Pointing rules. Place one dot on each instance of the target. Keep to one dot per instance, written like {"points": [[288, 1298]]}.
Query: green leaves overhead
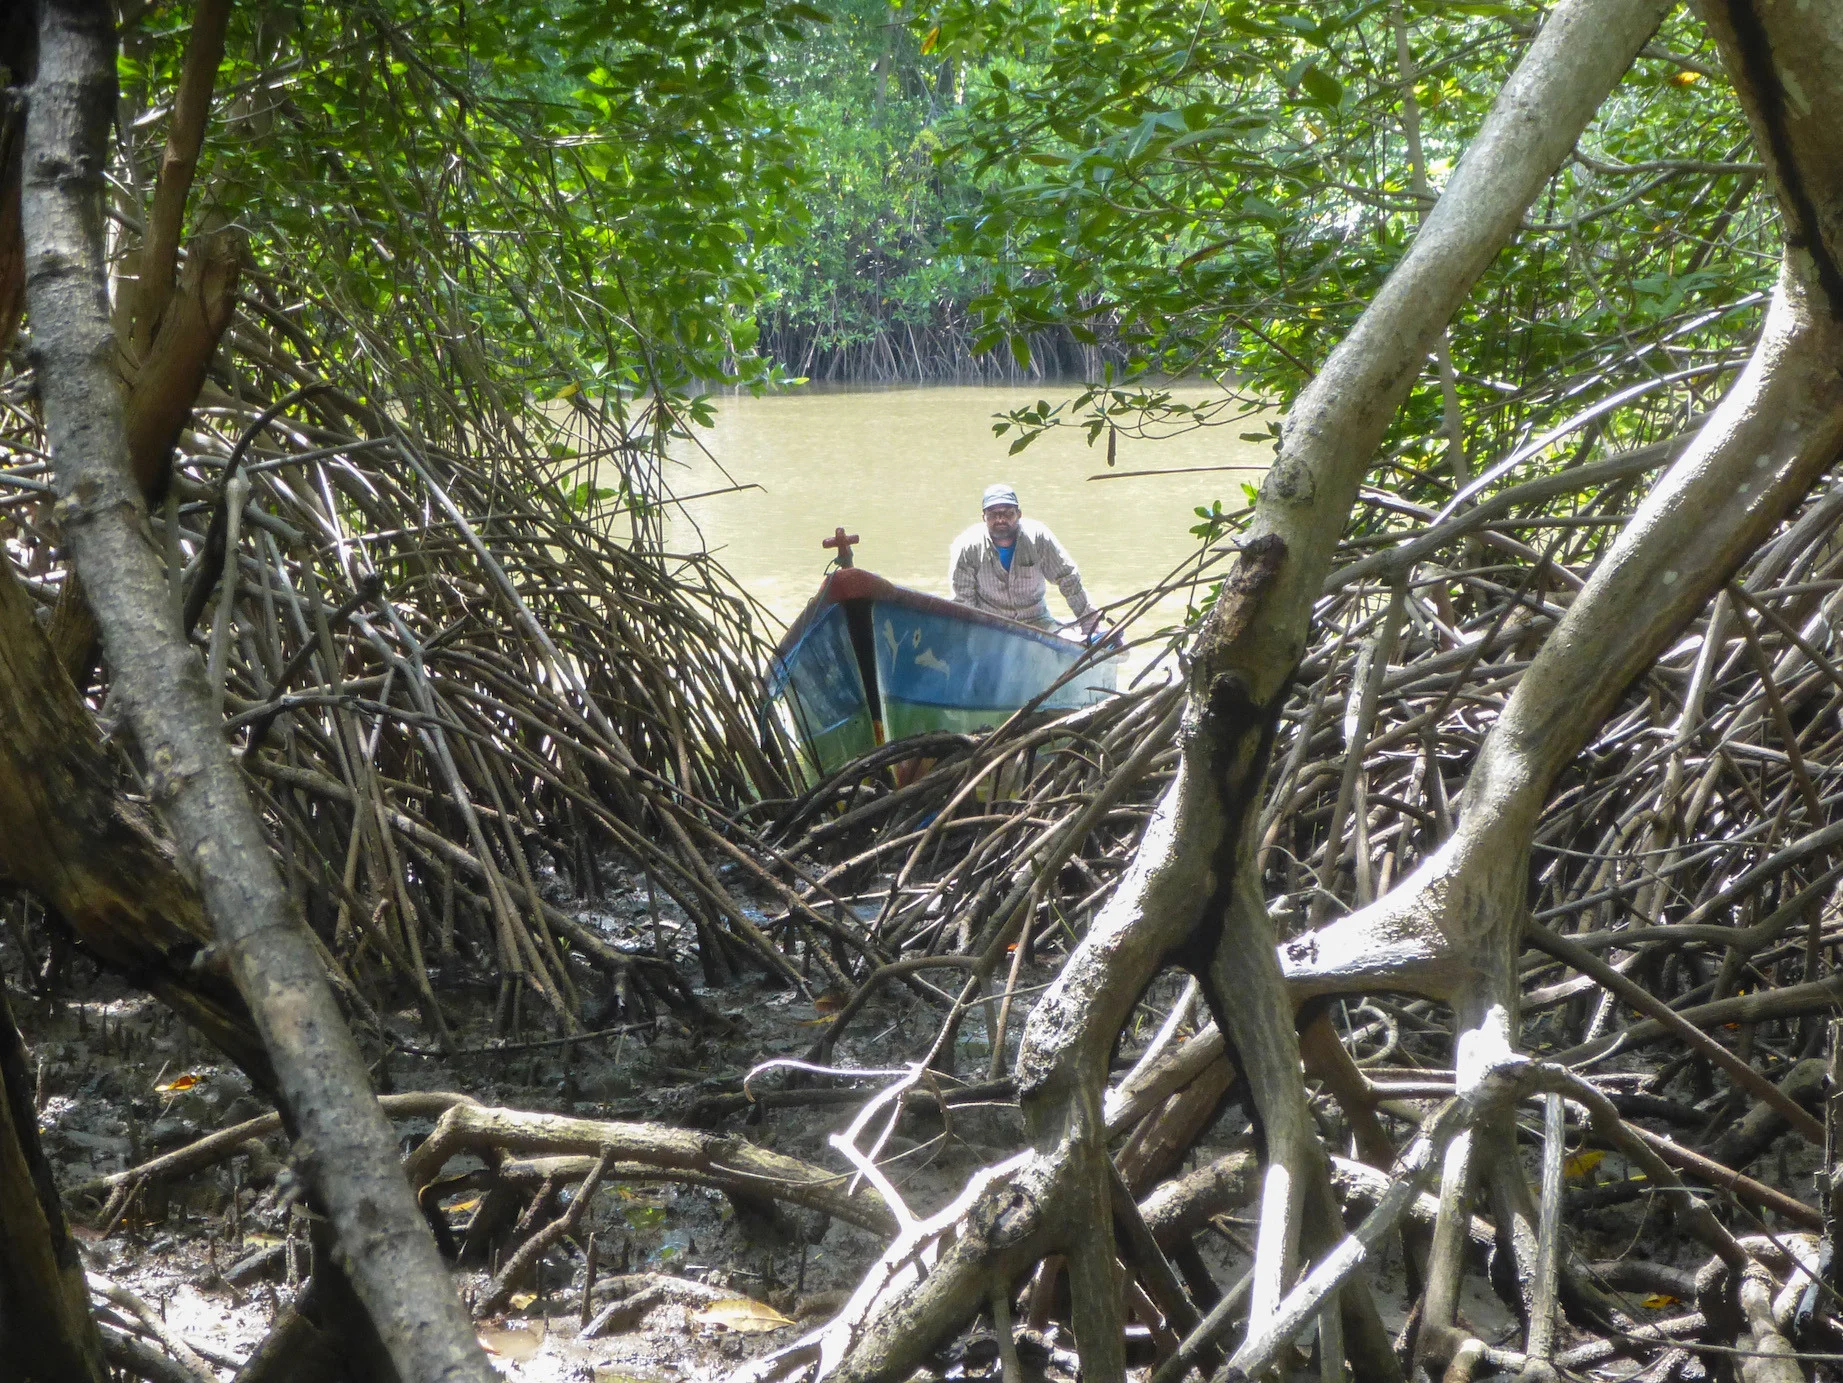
{"points": [[501, 201], [1219, 189], [512, 197], [871, 95]]}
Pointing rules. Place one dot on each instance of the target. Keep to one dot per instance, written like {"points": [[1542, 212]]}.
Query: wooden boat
{"points": [[869, 661]]}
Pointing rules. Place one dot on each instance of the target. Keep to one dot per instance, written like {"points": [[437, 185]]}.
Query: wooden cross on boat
{"points": [[842, 541]]}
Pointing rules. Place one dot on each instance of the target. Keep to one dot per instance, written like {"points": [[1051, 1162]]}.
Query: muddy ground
{"points": [[217, 1256], [120, 1080]]}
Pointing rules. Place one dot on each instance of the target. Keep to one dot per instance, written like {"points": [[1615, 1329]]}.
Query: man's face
{"points": [[1001, 522]]}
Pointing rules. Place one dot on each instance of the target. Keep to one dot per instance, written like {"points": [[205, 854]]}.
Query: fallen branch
{"points": [[646, 1150]]}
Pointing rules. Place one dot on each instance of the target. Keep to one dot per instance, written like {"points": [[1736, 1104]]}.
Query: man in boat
{"points": [[1004, 564]]}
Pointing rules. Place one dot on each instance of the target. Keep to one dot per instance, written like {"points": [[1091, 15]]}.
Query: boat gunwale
{"points": [[855, 583]]}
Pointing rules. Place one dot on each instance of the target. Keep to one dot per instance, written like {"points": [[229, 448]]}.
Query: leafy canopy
{"points": [[488, 203], [1219, 189]]}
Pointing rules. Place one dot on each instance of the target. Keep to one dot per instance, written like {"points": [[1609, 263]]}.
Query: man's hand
{"points": [[1090, 622]]}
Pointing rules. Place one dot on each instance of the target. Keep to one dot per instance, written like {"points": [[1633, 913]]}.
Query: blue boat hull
{"points": [[869, 661], [816, 694]]}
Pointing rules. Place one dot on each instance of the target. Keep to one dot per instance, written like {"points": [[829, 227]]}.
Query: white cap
{"points": [[1000, 493]]}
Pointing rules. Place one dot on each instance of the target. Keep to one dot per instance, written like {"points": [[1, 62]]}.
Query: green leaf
{"points": [[1322, 87], [587, 495]]}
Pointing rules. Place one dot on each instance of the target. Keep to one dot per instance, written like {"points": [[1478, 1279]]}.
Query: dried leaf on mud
{"points": [[742, 1314], [1580, 1166]]}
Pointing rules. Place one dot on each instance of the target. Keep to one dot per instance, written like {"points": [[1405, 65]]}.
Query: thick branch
{"points": [[346, 1145], [1331, 433], [184, 136], [1458, 916], [172, 370], [1196, 860], [709, 1158], [1786, 60], [106, 870], [41, 1277], [12, 249]]}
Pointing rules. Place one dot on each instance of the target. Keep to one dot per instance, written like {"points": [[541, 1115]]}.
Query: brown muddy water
{"points": [[904, 468]]}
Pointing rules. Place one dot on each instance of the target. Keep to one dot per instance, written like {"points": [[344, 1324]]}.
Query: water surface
{"points": [[904, 468]]}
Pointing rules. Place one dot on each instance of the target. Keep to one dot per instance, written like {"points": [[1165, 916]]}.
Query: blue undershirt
{"points": [[1004, 556]]}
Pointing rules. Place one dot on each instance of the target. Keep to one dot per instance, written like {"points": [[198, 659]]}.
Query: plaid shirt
{"points": [[980, 579]]}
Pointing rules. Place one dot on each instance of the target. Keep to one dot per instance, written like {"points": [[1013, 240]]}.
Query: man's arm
{"points": [[963, 572], [1057, 566]]}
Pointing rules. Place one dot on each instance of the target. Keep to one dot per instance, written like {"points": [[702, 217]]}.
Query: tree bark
{"points": [[346, 1147], [1201, 868], [1453, 922], [1196, 863], [165, 387], [103, 866], [1453, 925], [172, 321], [1452, 930], [1786, 61], [185, 136], [47, 1334], [172, 370], [16, 40]]}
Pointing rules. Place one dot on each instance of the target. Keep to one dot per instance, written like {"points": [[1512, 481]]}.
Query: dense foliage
{"points": [[629, 202], [492, 202], [869, 290], [1220, 190]]}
